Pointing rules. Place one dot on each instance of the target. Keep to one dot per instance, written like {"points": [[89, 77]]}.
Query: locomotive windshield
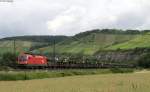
{"points": [[22, 58]]}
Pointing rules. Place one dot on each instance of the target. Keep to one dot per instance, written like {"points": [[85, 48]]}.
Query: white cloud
{"points": [[60, 21], [61, 17], [65, 20]]}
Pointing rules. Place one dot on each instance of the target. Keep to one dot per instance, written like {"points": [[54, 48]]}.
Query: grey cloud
{"points": [[29, 17], [130, 20]]}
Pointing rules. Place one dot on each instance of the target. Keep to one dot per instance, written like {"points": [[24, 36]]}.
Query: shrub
{"points": [[8, 59], [144, 61], [121, 70]]}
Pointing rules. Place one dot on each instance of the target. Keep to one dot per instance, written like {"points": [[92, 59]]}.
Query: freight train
{"points": [[26, 60]]}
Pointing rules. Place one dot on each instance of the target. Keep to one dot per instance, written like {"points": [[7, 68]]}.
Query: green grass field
{"points": [[29, 75], [133, 82]]}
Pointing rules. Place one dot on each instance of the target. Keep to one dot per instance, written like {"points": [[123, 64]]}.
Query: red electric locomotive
{"points": [[32, 60]]}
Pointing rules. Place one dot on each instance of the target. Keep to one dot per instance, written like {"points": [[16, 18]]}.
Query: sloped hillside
{"points": [[87, 42], [27, 43], [36, 38], [140, 41], [90, 42], [21, 46]]}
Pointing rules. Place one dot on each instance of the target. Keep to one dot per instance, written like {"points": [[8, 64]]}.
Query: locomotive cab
{"points": [[22, 59]]}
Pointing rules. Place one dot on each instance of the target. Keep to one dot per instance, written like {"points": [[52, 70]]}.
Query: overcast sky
{"points": [[68, 17]]}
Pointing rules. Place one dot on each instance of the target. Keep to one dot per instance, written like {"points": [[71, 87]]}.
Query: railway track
{"points": [[75, 66]]}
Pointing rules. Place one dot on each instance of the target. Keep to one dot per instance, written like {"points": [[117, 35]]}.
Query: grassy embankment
{"points": [[28, 75]]}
